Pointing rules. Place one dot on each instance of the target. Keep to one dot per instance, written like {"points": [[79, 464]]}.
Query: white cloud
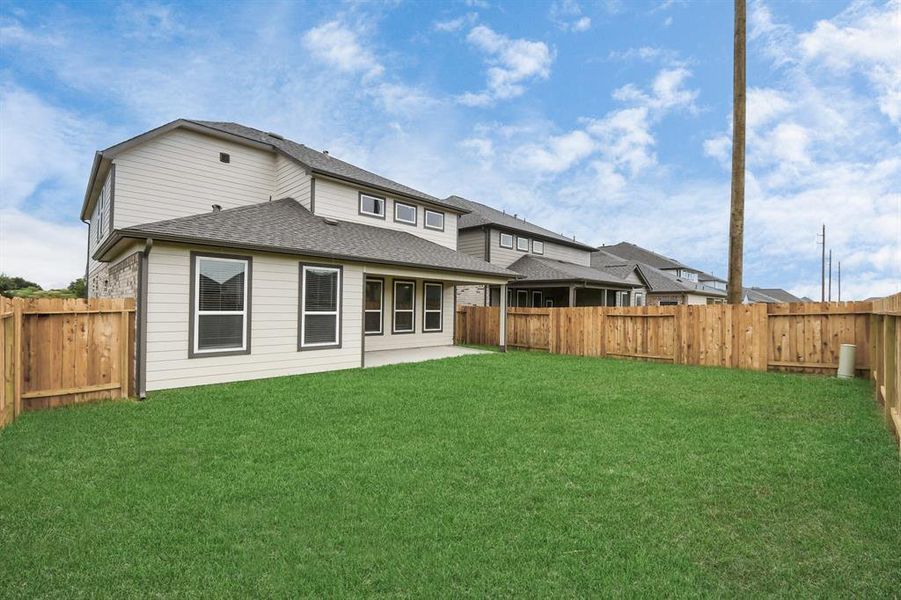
{"points": [[338, 46], [511, 63], [558, 154], [452, 25], [567, 15], [50, 254], [865, 38]]}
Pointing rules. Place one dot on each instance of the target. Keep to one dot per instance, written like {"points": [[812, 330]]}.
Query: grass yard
{"points": [[519, 474]]}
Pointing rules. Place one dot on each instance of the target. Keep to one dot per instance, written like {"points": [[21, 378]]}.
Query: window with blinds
{"points": [[404, 306], [220, 304], [432, 306], [320, 306]]}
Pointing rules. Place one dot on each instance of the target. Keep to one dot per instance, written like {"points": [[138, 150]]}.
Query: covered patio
{"points": [[380, 358]]}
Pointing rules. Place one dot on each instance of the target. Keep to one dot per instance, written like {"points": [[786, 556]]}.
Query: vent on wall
{"points": [[225, 157]]}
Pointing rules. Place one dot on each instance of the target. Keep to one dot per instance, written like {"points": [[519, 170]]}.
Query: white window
{"points": [[404, 213], [221, 298], [433, 305], [549, 303], [434, 220], [506, 240], [522, 298], [688, 275], [638, 299], [320, 306], [404, 307], [537, 247], [101, 205], [372, 205], [536, 298], [522, 244], [375, 293], [622, 298]]}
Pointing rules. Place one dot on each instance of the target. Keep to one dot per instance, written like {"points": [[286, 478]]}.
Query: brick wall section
{"points": [[119, 280], [656, 299], [471, 295]]}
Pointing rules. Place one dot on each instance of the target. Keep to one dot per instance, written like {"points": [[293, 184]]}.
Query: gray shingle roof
{"points": [[635, 253], [537, 269], [324, 163], [658, 280], [480, 214], [286, 226], [775, 295]]}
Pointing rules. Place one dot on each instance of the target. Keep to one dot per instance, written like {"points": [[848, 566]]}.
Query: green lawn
{"points": [[518, 474]]}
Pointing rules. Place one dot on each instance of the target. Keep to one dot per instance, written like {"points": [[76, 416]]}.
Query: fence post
{"points": [[888, 365], [123, 351], [17, 357]]}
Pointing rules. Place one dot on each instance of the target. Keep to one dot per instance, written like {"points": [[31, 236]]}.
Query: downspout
{"points": [[87, 261], [141, 326]]}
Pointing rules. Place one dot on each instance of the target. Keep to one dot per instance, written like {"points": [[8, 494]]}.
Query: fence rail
{"points": [[798, 337], [63, 351]]}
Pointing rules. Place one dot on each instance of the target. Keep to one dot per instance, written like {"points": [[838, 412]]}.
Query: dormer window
{"points": [[537, 248], [688, 275], [374, 206], [404, 213], [522, 244], [506, 241], [434, 220]]}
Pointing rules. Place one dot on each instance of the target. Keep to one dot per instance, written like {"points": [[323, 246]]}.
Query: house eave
{"points": [[119, 236]]}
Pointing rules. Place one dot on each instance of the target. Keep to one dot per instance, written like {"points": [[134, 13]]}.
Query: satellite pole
{"points": [[830, 275]]}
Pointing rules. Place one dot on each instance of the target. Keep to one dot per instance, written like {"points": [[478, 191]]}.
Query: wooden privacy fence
{"points": [[793, 337], [885, 352], [61, 351]]}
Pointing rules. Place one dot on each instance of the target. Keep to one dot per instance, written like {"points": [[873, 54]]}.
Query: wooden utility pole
{"points": [[830, 275], [823, 268], [737, 213]]}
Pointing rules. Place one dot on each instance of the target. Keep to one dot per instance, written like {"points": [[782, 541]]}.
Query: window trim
{"points": [[369, 214], [540, 296], [381, 311], [528, 244], [301, 301], [534, 251], [394, 330], [518, 292], [500, 240], [194, 303], [425, 310], [415, 208], [549, 303], [425, 219]]}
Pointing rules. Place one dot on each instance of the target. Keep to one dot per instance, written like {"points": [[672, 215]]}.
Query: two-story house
{"points": [[553, 270], [667, 280], [253, 256]]}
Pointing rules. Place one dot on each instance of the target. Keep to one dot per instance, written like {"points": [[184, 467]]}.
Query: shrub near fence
{"points": [[62, 351]]}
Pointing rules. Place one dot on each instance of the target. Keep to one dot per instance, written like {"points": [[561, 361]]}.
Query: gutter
{"points": [[141, 324]]}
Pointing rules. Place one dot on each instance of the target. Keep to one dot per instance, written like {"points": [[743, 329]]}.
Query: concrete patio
{"points": [[379, 358]]}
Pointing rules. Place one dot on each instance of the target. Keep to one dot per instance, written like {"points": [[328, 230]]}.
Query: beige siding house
{"points": [[253, 256], [553, 270]]}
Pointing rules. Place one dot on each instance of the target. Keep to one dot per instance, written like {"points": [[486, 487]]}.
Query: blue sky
{"points": [[606, 120]]}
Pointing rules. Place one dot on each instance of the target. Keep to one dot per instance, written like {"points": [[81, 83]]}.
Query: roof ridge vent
{"points": [[325, 152], [277, 136]]}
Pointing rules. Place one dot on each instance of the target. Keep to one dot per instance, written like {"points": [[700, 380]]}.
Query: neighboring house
{"points": [[253, 256], [666, 264], [769, 296], [662, 287], [554, 270]]}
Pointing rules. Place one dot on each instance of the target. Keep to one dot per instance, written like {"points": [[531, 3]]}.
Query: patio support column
{"points": [[572, 296], [502, 329]]}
